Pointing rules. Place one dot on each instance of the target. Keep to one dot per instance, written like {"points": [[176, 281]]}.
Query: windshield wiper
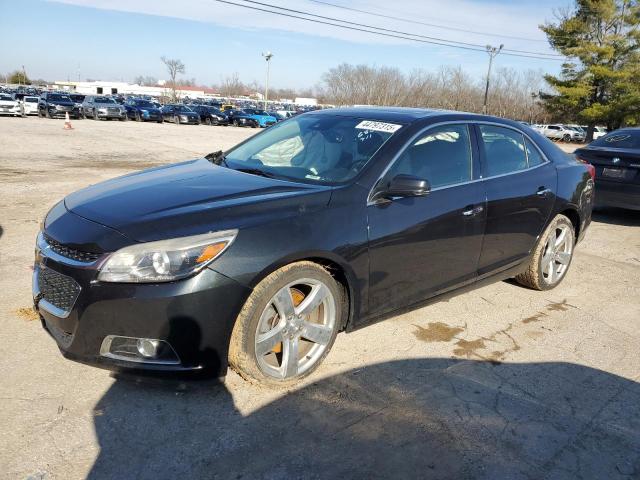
{"points": [[256, 171], [217, 158]]}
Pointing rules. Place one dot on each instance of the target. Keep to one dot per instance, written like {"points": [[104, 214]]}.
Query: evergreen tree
{"points": [[600, 83]]}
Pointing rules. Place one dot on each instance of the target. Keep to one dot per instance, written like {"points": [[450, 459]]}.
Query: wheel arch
{"points": [[572, 214]]}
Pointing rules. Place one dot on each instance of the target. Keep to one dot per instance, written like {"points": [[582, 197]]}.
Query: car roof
{"points": [[402, 114]]}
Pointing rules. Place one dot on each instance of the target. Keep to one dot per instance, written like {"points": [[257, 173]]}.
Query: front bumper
{"points": [[10, 111], [617, 194], [194, 316]]}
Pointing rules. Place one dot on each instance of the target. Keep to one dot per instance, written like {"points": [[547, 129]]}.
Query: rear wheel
{"points": [[235, 123], [566, 138], [207, 121], [287, 326], [551, 257], [176, 120]]}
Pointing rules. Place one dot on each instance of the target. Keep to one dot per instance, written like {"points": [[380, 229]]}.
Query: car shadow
{"points": [[617, 216], [422, 418]]}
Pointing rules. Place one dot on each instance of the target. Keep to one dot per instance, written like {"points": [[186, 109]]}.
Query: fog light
{"points": [[141, 350]]}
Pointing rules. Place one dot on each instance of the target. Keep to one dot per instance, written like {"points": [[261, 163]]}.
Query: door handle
{"points": [[471, 210], [543, 191]]}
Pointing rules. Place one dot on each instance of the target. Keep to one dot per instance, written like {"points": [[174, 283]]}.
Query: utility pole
{"points": [[267, 56], [493, 52]]}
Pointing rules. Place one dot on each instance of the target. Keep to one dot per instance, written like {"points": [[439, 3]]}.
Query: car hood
{"points": [[191, 198], [8, 102], [62, 103]]}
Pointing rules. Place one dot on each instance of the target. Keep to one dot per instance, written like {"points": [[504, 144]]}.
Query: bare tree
{"points": [[174, 67], [232, 86]]}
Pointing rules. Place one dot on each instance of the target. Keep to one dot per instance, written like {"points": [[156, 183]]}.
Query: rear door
{"points": [[419, 246], [520, 184]]}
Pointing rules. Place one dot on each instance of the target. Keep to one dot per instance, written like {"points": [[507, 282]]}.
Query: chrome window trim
{"points": [[481, 179]]}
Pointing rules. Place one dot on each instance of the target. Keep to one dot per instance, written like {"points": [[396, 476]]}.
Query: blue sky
{"points": [[120, 39]]}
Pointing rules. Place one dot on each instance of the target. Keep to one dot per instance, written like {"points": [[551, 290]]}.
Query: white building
{"points": [[100, 87]]}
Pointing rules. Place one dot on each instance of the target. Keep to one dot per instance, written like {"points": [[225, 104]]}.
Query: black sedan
{"points": [[239, 118], [180, 114], [259, 256], [210, 115], [616, 158]]}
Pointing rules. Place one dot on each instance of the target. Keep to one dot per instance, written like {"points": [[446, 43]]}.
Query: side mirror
{"points": [[407, 186], [403, 186]]}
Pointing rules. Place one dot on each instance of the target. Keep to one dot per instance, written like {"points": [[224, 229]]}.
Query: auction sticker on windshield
{"points": [[378, 126]]}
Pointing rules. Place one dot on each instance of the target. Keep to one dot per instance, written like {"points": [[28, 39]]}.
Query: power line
{"points": [[435, 25], [397, 31], [399, 35]]}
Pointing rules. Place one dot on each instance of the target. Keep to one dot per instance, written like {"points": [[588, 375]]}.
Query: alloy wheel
{"points": [[557, 254], [295, 329]]}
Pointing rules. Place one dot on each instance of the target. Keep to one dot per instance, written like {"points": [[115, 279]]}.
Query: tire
{"points": [[543, 262], [176, 120], [268, 368], [49, 114], [235, 123], [95, 115], [138, 117], [161, 120], [566, 138], [207, 121], [84, 114]]}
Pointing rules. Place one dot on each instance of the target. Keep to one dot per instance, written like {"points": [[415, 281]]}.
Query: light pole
{"points": [[493, 52], [267, 56]]}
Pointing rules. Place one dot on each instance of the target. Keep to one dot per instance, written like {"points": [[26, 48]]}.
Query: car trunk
{"points": [[613, 165]]}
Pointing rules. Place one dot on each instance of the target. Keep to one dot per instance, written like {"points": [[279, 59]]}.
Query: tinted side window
{"points": [[533, 154], [504, 150], [442, 156]]}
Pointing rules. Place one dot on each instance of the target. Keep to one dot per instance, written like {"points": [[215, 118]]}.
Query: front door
{"points": [[419, 246]]}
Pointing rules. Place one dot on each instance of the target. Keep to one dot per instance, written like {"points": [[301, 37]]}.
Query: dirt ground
{"points": [[503, 382]]}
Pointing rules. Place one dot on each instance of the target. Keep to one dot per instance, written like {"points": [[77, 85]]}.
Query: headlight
{"points": [[145, 112], [166, 260], [184, 117], [103, 110]]}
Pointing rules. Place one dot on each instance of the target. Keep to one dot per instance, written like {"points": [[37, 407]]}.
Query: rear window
{"points": [[619, 140]]}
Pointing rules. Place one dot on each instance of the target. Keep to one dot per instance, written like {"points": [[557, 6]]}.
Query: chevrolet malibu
{"points": [[257, 257]]}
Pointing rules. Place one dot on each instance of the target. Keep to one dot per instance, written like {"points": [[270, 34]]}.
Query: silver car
{"points": [[99, 106]]}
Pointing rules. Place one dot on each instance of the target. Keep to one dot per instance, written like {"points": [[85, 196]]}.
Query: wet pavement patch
{"points": [[437, 332]]}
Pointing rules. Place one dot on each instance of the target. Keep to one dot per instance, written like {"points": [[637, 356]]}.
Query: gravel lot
{"points": [[503, 382]]}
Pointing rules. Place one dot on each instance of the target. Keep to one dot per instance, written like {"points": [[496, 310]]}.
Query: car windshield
{"points": [[183, 109], [103, 100], [59, 98], [260, 112], [325, 149], [144, 103], [5, 97], [628, 139], [31, 99]]}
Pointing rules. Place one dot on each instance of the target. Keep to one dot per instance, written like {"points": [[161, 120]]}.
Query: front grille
{"points": [[113, 110], [57, 289], [72, 253]]}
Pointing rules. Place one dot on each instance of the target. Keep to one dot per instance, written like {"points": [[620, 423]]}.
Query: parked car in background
{"points": [[10, 106], [616, 158], [142, 110], [580, 134], [558, 132], [180, 114], [241, 119], [30, 104], [263, 118], [99, 107], [597, 131], [77, 99], [329, 221], [210, 115], [53, 104]]}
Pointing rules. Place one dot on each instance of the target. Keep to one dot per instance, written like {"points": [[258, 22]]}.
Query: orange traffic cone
{"points": [[67, 122]]}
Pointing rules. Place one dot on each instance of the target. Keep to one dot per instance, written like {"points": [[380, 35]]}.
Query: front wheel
{"points": [[551, 257], [176, 120], [287, 326]]}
